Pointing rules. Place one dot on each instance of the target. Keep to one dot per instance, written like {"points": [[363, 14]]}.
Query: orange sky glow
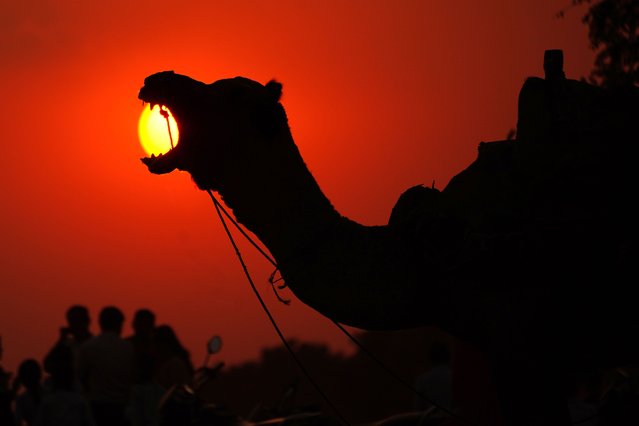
{"points": [[380, 96]]}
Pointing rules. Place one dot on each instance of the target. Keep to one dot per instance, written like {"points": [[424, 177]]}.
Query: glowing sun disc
{"points": [[154, 133]]}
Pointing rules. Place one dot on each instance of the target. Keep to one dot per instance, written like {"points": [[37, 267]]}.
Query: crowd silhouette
{"points": [[107, 379], [103, 379]]}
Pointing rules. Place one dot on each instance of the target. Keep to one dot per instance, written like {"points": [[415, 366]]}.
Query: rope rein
{"points": [[272, 281], [222, 212], [165, 114], [288, 347]]}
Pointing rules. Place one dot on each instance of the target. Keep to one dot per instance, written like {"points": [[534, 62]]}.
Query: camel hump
{"points": [[419, 219], [414, 204]]}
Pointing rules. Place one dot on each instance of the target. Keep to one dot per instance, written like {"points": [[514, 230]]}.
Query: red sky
{"points": [[380, 96]]}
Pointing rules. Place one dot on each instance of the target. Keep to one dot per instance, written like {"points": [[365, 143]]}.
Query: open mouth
{"points": [[161, 163], [177, 93]]}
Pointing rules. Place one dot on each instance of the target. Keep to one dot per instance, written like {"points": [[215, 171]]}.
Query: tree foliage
{"points": [[613, 31]]}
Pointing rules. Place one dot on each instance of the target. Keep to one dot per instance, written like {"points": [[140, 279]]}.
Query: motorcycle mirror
{"points": [[214, 345]]}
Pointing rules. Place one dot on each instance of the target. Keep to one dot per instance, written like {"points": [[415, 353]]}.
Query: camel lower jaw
{"points": [[160, 164]]}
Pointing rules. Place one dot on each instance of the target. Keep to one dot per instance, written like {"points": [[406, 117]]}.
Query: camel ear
{"points": [[270, 115], [274, 90]]}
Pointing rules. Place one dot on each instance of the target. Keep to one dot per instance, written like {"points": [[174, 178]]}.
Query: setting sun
{"points": [[153, 132]]}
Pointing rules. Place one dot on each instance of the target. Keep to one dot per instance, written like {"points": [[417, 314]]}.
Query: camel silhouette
{"points": [[528, 253]]}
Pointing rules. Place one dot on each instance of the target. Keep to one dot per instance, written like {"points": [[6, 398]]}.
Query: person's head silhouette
{"points": [[30, 373], [111, 319], [78, 321], [143, 322], [167, 341]]}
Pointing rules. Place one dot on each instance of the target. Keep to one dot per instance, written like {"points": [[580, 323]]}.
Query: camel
{"points": [[527, 254]]}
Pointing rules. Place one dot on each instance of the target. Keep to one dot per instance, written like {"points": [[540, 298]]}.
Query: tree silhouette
{"points": [[613, 31], [356, 384]]}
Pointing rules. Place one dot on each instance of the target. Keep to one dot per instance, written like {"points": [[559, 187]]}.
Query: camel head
{"points": [[223, 126]]}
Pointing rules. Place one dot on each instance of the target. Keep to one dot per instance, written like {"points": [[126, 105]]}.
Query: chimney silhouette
{"points": [[554, 64]]}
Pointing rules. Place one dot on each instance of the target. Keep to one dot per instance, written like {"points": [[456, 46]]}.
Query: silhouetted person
{"points": [[30, 379], [105, 369], [173, 364], [63, 404], [73, 334], [6, 399], [78, 322], [173, 368], [146, 394], [143, 327], [436, 383], [145, 399]]}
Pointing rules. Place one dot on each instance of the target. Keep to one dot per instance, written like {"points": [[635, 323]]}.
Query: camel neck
{"points": [[287, 210]]}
